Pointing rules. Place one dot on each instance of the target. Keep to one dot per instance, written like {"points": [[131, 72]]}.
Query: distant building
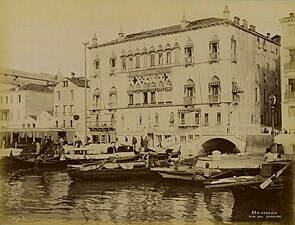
{"points": [[69, 107], [212, 75], [19, 107], [13, 78], [288, 73]]}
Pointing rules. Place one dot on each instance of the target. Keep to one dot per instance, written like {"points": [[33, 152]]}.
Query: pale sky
{"points": [[39, 35]]}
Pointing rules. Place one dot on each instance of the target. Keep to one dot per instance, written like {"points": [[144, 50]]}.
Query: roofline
{"points": [[223, 22]]}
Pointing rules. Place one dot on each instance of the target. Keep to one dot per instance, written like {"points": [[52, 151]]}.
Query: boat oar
{"points": [[269, 180]]}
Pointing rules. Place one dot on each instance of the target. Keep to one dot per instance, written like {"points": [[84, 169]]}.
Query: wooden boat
{"points": [[110, 171], [244, 187], [59, 163]]}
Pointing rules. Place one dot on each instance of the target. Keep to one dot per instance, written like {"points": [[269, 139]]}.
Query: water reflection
{"points": [[47, 195]]}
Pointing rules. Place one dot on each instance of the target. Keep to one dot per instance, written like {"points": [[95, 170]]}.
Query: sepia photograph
{"points": [[147, 112]]}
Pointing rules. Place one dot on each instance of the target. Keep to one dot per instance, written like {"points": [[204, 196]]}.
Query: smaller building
{"points": [[69, 107]]}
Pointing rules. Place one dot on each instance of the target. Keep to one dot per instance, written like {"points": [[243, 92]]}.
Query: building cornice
{"points": [[288, 20], [182, 30]]}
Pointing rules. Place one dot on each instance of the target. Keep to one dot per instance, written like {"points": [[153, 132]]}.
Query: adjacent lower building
{"points": [[209, 76]]}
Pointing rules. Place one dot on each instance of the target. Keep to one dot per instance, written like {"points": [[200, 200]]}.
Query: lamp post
{"points": [[272, 101], [85, 84]]}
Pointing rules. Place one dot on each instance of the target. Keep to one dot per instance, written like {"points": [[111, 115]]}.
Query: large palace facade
{"points": [[208, 75]]}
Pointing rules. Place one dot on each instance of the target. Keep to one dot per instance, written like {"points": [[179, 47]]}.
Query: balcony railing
{"points": [[102, 124], [113, 105], [290, 95], [189, 100], [214, 98], [188, 61], [214, 57], [95, 106], [234, 57], [289, 66]]}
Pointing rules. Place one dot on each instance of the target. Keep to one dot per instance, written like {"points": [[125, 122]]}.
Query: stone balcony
{"points": [[189, 100], [214, 57], [214, 99], [290, 95]]}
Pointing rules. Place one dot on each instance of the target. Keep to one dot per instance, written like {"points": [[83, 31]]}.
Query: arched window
{"points": [[113, 97], [214, 49], [137, 58], [130, 59], [233, 49], [214, 90], [176, 49], [97, 97], [123, 58], [152, 56], [168, 54], [145, 57]]}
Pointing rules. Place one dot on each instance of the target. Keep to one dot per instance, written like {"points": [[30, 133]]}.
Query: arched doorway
{"points": [[220, 144]]}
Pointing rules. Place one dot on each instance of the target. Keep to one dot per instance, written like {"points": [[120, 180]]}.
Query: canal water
{"points": [[31, 197]]}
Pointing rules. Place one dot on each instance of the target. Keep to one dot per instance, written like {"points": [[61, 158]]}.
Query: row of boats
{"points": [[128, 164]]}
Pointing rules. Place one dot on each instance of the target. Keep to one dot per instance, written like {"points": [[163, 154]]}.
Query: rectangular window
{"points": [[152, 59], [137, 62], [176, 55], [6, 99], [65, 83], [11, 99], [124, 64], [64, 123], [145, 97], [153, 97], [28, 125], [182, 119], [160, 62], [168, 58], [291, 111], [1, 100], [264, 95], [197, 119], [19, 98], [131, 102], [58, 95], [72, 94], [218, 118], [56, 109], [206, 119], [34, 125], [71, 123], [145, 60], [256, 94], [56, 123], [71, 109], [96, 64], [113, 62], [64, 109]]}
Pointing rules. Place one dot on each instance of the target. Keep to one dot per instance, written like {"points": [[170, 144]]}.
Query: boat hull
{"points": [[112, 174]]}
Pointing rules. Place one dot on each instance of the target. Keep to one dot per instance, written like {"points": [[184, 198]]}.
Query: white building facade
{"points": [[288, 73], [177, 82], [69, 107]]}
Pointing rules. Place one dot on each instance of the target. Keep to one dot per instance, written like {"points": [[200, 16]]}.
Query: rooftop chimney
{"points": [[252, 28], [94, 40], [121, 33], [245, 23], [268, 35], [184, 22], [226, 13], [237, 20], [72, 74]]}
